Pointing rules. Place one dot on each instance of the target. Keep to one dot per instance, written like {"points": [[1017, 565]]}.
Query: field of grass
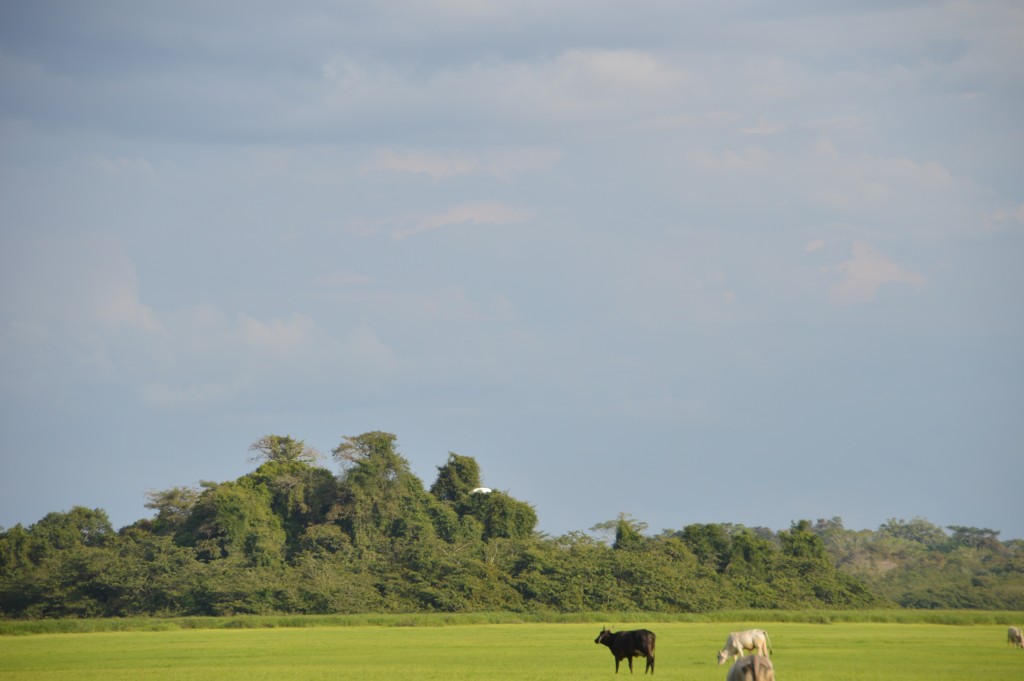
{"points": [[535, 651], [1003, 618]]}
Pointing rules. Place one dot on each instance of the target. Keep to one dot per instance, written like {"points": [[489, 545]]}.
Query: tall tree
{"points": [[301, 494], [974, 537], [710, 543], [236, 520], [379, 496], [627, 533], [916, 530], [283, 448], [172, 507], [456, 478], [502, 515], [78, 527]]}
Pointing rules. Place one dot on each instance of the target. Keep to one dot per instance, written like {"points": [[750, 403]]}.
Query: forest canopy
{"points": [[294, 537]]}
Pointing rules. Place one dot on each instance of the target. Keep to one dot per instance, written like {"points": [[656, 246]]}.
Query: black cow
{"points": [[629, 644]]}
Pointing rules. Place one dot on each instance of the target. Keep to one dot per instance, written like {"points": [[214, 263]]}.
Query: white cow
{"points": [[1015, 636], [739, 641], [752, 668]]}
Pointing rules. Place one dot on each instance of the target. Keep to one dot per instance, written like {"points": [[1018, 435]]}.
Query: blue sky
{"points": [[692, 261]]}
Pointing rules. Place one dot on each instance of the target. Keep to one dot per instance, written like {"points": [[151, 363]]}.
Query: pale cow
{"points": [[752, 668], [739, 641], [1015, 636]]}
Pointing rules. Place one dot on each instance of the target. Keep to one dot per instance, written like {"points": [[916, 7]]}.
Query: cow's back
{"points": [[1014, 636], [752, 668], [643, 641]]}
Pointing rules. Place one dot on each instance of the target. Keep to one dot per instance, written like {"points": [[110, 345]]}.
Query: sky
{"points": [[695, 262]]}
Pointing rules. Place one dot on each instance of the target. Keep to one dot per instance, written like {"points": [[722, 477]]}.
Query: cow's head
{"points": [[605, 633], [723, 655]]}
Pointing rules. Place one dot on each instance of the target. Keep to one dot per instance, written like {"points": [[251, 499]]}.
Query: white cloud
{"points": [[365, 351], [71, 315], [775, 77], [344, 69], [762, 128], [865, 273], [860, 195], [754, 160], [507, 162], [73, 282], [588, 82], [865, 181], [344, 278], [164, 396], [292, 343], [840, 181], [125, 166], [579, 88], [246, 354], [278, 336], [404, 227], [486, 213], [501, 162], [1001, 219], [121, 305], [616, 70], [432, 164], [420, 306]]}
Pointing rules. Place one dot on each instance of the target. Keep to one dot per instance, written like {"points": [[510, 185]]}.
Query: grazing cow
{"points": [[1015, 636], [629, 644], [739, 641], [752, 668]]}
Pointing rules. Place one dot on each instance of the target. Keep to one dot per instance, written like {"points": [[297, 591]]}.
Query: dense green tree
{"points": [[236, 520], [916, 530], [608, 530], [569, 574], [495, 514], [456, 478], [300, 494], [172, 507], [801, 544], [710, 543], [292, 537], [974, 537], [324, 540], [376, 449], [750, 556], [627, 534], [376, 490], [809, 576], [78, 527], [334, 583], [15, 549], [380, 498]]}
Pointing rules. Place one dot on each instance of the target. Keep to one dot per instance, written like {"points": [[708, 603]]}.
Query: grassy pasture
{"points": [[507, 652]]}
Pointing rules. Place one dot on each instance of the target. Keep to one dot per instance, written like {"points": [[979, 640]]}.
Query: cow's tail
{"points": [[769, 642]]}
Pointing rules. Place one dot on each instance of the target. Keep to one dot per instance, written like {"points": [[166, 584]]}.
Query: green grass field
{"points": [[534, 651]]}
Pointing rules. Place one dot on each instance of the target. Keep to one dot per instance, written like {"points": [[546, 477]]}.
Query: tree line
{"points": [[293, 537]]}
